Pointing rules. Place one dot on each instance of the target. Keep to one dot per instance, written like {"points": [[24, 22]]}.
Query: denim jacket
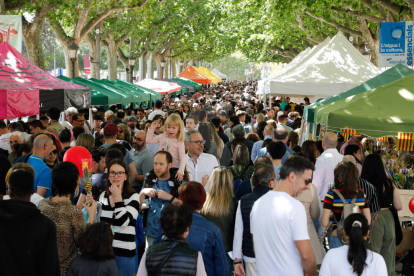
{"points": [[205, 237]]}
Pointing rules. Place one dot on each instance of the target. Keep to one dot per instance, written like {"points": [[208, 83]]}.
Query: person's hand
{"points": [[149, 192], [89, 197], [239, 270], [163, 195], [204, 179], [155, 124], [179, 176], [116, 192], [91, 210]]}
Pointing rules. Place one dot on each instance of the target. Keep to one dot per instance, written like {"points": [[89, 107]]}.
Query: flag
{"points": [[351, 131], [11, 31], [382, 139], [405, 142]]}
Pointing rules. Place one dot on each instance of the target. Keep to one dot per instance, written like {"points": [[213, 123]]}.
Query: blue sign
{"points": [[396, 43]]}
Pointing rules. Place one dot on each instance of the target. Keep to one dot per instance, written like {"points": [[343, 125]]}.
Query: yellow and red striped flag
{"points": [[351, 131], [405, 142], [382, 139]]}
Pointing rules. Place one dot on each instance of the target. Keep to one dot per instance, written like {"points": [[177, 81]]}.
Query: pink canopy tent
{"points": [[25, 89], [159, 86]]}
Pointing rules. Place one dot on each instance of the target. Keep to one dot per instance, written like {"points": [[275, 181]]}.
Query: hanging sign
{"points": [[11, 30], [396, 43]]}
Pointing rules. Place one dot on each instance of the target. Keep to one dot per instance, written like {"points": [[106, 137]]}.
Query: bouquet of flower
{"points": [[87, 177]]}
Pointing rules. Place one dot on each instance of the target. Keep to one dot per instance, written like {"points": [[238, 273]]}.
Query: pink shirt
{"points": [[350, 142], [174, 147]]}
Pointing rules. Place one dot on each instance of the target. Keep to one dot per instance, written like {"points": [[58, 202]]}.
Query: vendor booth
{"points": [[192, 74]]}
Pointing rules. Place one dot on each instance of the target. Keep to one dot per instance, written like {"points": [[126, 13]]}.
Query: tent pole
{"points": [[5, 121], [37, 117], [90, 115], [62, 114]]}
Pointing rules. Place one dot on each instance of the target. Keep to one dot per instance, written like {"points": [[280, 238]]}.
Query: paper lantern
{"points": [[77, 155]]}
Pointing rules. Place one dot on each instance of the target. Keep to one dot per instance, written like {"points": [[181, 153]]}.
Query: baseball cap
{"points": [[110, 130], [131, 118]]}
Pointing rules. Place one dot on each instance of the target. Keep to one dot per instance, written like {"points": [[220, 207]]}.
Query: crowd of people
{"points": [[214, 183]]}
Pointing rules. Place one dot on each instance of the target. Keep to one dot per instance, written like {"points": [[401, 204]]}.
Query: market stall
{"points": [[207, 74], [190, 89], [189, 82], [27, 90], [220, 74], [192, 74], [161, 87]]}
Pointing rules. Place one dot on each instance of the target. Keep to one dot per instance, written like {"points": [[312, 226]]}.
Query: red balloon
{"points": [[76, 155], [411, 205]]}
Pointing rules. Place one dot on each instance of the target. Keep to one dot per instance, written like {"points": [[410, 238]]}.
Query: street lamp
{"points": [[73, 54], [366, 53], [131, 61], [162, 62]]}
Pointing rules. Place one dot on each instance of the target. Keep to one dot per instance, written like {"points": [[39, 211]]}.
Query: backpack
{"points": [[349, 208], [237, 177]]}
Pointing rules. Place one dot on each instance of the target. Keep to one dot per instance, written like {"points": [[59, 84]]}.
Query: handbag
{"points": [[398, 230]]}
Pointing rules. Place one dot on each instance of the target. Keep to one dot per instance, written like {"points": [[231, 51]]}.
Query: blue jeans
{"points": [[334, 242], [126, 265]]}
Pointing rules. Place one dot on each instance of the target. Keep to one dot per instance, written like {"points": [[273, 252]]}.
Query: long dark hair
{"points": [[96, 242], [126, 188], [205, 132], [373, 171], [346, 177], [356, 227], [309, 149], [351, 150]]}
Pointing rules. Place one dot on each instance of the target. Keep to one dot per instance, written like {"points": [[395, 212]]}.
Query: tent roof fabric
{"points": [[378, 112], [154, 95], [189, 87], [191, 74], [97, 98], [194, 84], [17, 72], [203, 71], [219, 74], [335, 68], [159, 86], [394, 73], [139, 97]]}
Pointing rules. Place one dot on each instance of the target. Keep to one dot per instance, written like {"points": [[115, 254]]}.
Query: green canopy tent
{"points": [[142, 97], [395, 73], [97, 98], [379, 112], [196, 86], [114, 96], [154, 95], [182, 91], [135, 97]]}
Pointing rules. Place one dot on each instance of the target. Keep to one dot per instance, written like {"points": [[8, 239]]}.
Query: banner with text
{"points": [[396, 43], [11, 30]]}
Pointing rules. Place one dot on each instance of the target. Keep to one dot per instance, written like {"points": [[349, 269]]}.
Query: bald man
{"points": [[42, 146], [16, 138], [143, 159], [324, 168]]}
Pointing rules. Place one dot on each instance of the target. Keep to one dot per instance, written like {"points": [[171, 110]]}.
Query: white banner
{"points": [[11, 30]]}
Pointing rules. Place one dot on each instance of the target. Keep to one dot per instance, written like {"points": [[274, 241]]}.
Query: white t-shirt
{"points": [[277, 220], [336, 263], [5, 142], [156, 112]]}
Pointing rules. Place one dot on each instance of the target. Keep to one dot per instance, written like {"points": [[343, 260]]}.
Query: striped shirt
{"points": [[370, 192], [334, 203], [123, 217]]}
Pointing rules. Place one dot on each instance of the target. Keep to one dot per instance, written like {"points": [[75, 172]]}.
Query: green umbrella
{"points": [[395, 73]]}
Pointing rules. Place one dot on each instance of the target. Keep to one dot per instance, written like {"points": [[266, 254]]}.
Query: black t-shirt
{"points": [[4, 169]]}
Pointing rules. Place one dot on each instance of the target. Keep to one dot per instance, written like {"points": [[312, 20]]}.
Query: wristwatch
{"points": [[239, 262]]}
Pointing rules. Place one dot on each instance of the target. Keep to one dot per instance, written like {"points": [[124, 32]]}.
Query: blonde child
{"points": [[172, 140]]}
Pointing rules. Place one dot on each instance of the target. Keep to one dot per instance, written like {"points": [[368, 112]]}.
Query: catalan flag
{"points": [[351, 131], [405, 142], [382, 139]]}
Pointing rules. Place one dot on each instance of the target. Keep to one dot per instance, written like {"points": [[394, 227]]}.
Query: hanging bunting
{"points": [[405, 142]]}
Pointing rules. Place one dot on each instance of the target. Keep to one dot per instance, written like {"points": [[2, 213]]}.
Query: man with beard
{"points": [[143, 159], [132, 124], [161, 189], [16, 139]]}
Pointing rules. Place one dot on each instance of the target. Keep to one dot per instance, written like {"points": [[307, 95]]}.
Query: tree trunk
{"points": [[150, 70], [111, 51], [92, 52], [159, 72], [373, 43], [141, 67], [33, 44]]}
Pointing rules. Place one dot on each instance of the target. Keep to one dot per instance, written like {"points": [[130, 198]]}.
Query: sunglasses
{"points": [[307, 181], [54, 152]]}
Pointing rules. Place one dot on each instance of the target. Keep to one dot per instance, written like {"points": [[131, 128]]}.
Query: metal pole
{"points": [[73, 68], [54, 72]]}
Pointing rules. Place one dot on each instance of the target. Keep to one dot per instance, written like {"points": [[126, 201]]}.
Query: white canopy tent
{"points": [[334, 68], [220, 74]]}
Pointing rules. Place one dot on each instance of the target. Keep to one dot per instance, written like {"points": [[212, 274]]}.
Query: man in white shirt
{"points": [[324, 169], [199, 164], [157, 111], [279, 226], [4, 137]]}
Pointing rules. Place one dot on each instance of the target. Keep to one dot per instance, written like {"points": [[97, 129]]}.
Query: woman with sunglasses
{"points": [[53, 159], [346, 177], [120, 207]]}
